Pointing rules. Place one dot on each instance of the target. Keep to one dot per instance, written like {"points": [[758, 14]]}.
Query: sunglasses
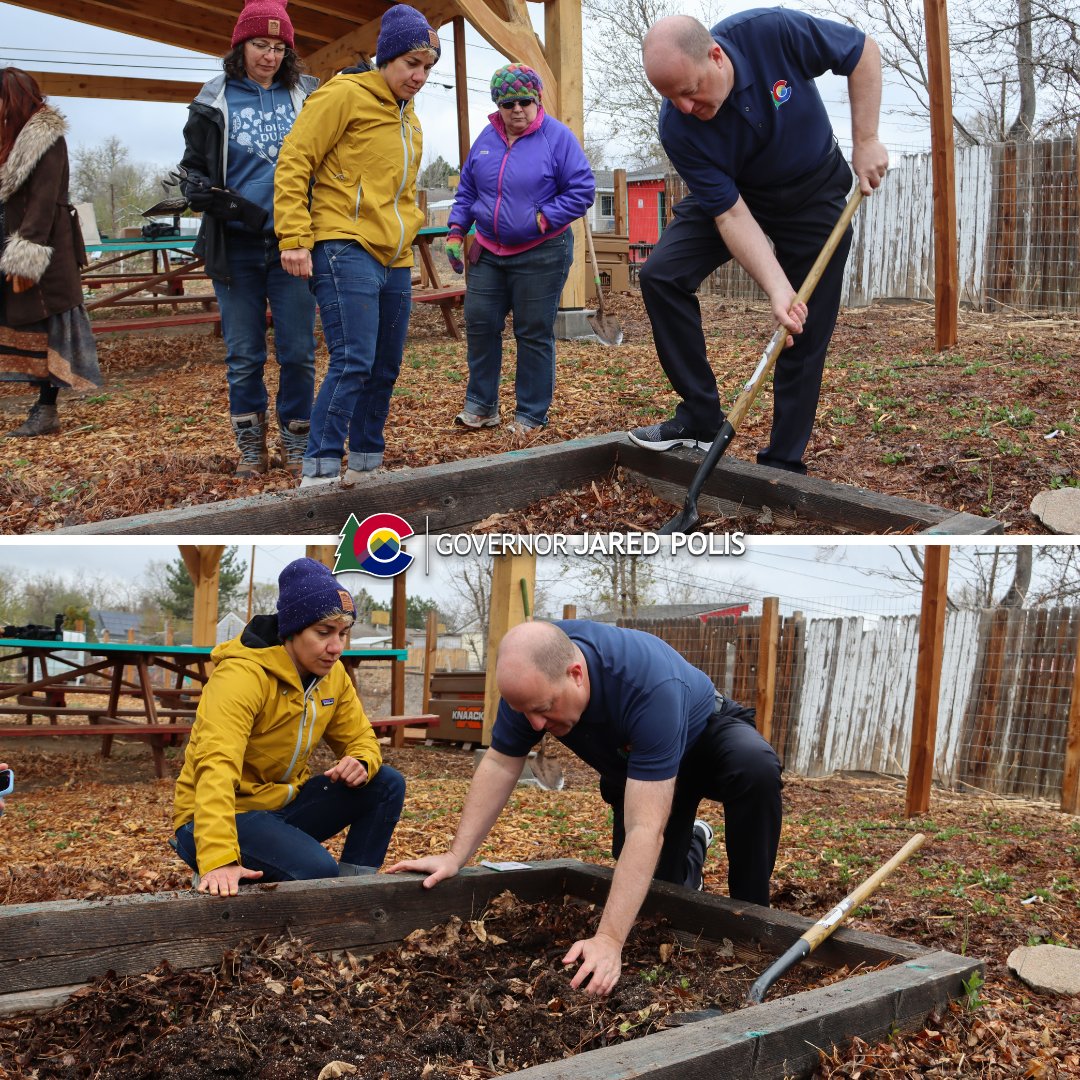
{"points": [[523, 102]]}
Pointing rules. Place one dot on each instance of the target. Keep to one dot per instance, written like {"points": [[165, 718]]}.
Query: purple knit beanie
{"points": [[516, 81], [402, 30], [264, 18], [308, 592]]}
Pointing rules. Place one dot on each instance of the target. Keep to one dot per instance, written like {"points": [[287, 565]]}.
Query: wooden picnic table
{"points": [[172, 267], [159, 714], [431, 289]]}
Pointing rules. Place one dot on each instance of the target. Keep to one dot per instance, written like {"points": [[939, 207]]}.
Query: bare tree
{"points": [[982, 577], [119, 188], [620, 103], [1003, 53]]}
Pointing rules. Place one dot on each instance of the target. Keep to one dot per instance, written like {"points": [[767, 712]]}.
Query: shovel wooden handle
{"points": [[776, 343], [829, 922]]}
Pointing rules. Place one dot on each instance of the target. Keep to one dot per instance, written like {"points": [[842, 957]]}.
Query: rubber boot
{"points": [[250, 431], [41, 420], [294, 440]]}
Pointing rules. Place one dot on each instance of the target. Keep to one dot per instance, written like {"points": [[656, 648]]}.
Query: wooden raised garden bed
{"points": [[456, 496], [47, 950]]}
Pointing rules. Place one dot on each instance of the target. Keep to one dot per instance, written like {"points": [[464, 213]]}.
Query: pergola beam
{"points": [[63, 84]]}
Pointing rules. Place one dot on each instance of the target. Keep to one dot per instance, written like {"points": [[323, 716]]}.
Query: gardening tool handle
{"points": [[687, 519], [817, 933], [776, 343], [595, 266]]}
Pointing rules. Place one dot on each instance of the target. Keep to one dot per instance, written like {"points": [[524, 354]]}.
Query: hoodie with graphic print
{"points": [[357, 149], [256, 726]]}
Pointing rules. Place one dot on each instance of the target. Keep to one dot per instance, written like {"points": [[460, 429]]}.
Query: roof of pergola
{"points": [[330, 34]]}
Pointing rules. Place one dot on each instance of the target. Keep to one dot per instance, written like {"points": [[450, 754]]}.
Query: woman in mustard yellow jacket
{"points": [[247, 806], [346, 216]]}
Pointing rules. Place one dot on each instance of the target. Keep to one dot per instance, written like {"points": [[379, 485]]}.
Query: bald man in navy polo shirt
{"points": [[745, 127], [661, 738]]}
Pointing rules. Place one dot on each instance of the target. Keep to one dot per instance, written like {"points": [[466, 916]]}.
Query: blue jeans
{"points": [[365, 309], [286, 844], [530, 285], [256, 277]]}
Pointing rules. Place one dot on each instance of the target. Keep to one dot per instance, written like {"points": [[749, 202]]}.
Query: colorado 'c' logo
{"points": [[781, 92], [373, 546]]}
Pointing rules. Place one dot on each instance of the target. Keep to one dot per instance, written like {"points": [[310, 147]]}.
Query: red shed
{"points": [[647, 206]]}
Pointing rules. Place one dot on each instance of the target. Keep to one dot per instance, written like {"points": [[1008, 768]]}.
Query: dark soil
{"points": [[467, 999]]}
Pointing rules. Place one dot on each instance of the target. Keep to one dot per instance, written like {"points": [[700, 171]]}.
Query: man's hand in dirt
{"points": [[601, 957], [225, 880], [349, 771], [437, 867]]}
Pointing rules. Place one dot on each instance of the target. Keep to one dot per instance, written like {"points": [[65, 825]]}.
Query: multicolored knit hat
{"points": [[264, 18], [516, 81]]}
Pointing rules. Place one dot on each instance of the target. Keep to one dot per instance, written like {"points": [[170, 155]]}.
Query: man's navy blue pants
{"points": [[798, 218], [732, 764]]}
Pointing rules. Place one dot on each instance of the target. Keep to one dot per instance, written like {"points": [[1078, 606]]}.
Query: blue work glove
{"points": [[455, 245]]}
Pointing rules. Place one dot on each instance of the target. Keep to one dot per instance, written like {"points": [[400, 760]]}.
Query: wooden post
{"points": [[946, 242], [619, 185], [324, 553], [397, 641], [169, 633], [431, 642], [203, 563], [461, 91], [129, 671], [927, 679], [1070, 780], [562, 46], [768, 643], [506, 611], [569, 611]]}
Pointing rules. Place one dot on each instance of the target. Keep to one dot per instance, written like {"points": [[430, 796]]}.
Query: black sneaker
{"points": [[665, 435]]}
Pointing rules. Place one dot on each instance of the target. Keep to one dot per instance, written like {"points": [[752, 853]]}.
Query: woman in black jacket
{"points": [[45, 336], [233, 135]]}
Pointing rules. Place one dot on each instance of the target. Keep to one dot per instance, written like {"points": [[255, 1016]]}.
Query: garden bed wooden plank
{"points": [[43, 947], [455, 496], [778, 1039]]}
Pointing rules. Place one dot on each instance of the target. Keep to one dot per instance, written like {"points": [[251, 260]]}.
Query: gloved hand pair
{"points": [[455, 252]]}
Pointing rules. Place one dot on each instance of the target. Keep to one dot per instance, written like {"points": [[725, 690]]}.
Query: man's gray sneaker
{"points": [[665, 435], [703, 832]]}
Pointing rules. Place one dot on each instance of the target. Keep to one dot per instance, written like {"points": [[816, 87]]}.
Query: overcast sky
{"points": [[818, 579], [153, 132]]}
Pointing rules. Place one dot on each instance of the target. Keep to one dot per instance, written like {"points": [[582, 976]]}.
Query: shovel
{"points": [[606, 327], [828, 923], [546, 772], [688, 518]]}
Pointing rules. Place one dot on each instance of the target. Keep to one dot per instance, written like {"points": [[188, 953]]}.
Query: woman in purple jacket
{"points": [[525, 181]]}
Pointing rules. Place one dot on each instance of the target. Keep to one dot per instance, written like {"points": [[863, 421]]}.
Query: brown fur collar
{"points": [[38, 136]]}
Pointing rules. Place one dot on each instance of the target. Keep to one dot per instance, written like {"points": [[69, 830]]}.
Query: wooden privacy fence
{"points": [[845, 691], [1018, 232]]}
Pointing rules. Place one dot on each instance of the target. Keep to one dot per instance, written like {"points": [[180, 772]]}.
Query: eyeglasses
{"points": [[266, 47], [523, 102]]}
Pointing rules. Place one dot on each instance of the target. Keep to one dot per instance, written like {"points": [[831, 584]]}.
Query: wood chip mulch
{"points": [[981, 428]]}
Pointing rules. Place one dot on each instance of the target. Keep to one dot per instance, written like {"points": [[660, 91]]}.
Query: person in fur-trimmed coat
{"points": [[45, 336]]}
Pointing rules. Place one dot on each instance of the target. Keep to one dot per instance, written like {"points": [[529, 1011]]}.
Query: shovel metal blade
{"points": [[607, 328], [547, 772], [685, 521]]}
